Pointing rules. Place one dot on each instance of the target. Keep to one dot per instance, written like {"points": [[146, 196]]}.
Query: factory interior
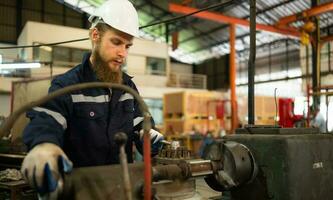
{"points": [[215, 99]]}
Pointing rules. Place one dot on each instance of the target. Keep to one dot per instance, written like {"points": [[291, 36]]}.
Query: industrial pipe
{"points": [[232, 63]]}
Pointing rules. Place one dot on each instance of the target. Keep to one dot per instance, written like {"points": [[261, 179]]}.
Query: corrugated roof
{"points": [[202, 39]]}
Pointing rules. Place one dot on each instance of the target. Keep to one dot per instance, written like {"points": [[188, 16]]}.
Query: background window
{"points": [[156, 66], [42, 54], [77, 55], [60, 56]]}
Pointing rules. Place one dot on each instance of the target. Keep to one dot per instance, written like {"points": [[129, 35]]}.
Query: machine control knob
{"points": [[120, 138]]}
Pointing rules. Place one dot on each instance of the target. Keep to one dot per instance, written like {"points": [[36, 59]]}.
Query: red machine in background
{"points": [[217, 108], [286, 113]]}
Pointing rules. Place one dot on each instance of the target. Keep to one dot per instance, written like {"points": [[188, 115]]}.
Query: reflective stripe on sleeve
{"points": [[137, 121], [56, 116], [125, 96]]}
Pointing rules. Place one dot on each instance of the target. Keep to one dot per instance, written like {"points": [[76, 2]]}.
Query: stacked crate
{"points": [[265, 110], [188, 112]]}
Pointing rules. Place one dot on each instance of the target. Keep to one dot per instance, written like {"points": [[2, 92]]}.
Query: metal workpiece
{"points": [[225, 165], [183, 170], [233, 165], [175, 162], [168, 172], [173, 153], [199, 168]]}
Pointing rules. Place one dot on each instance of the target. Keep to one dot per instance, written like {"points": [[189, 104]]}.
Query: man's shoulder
{"points": [[128, 79], [71, 77]]}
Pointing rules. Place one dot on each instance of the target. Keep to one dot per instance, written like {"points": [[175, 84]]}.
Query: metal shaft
{"points": [[252, 58], [127, 182], [121, 139], [183, 170]]}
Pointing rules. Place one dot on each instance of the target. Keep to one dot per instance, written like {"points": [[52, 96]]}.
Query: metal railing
{"points": [[197, 81]]}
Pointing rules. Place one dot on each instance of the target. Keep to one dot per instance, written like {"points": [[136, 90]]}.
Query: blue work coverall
{"points": [[83, 123]]}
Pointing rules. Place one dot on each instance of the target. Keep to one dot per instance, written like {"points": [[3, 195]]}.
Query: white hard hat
{"points": [[119, 14]]}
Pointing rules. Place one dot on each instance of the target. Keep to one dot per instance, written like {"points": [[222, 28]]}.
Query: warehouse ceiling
{"points": [[201, 39]]}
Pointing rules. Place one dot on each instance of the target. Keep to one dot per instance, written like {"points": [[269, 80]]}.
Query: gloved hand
{"points": [[43, 168], [156, 140]]}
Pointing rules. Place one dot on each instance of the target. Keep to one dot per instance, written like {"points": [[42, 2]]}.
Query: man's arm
{"points": [[48, 122], [155, 136], [45, 163]]}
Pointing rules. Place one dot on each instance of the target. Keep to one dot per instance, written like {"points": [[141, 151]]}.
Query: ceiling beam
{"points": [[213, 16], [263, 11], [241, 37], [165, 11], [322, 8], [228, 6]]}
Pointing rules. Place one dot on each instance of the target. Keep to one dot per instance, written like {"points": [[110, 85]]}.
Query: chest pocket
{"points": [[89, 122], [90, 111]]}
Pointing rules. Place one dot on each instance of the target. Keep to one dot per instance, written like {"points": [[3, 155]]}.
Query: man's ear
{"points": [[94, 35]]}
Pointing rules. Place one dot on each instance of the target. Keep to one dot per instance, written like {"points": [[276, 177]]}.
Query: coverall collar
{"points": [[90, 75]]}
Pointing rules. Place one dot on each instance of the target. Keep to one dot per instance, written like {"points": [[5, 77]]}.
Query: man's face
{"points": [[113, 49], [109, 53]]}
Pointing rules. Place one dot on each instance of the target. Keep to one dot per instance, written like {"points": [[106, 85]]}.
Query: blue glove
{"points": [[44, 167]]}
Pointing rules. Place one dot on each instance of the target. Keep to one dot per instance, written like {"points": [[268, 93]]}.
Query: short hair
{"points": [[101, 27]]}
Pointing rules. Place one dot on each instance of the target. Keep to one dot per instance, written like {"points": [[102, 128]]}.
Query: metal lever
{"points": [[121, 139]]}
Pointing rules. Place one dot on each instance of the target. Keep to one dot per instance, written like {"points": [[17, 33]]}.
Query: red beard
{"points": [[102, 70]]}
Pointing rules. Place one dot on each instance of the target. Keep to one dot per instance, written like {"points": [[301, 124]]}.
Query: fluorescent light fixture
{"points": [[20, 65], [4, 72]]}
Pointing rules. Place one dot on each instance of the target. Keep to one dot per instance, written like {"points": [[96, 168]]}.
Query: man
{"points": [[77, 129], [317, 119]]}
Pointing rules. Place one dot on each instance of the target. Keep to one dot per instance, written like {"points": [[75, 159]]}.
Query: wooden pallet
{"points": [[188, 105], [188, 126], [265, 109], [265, 120]]}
